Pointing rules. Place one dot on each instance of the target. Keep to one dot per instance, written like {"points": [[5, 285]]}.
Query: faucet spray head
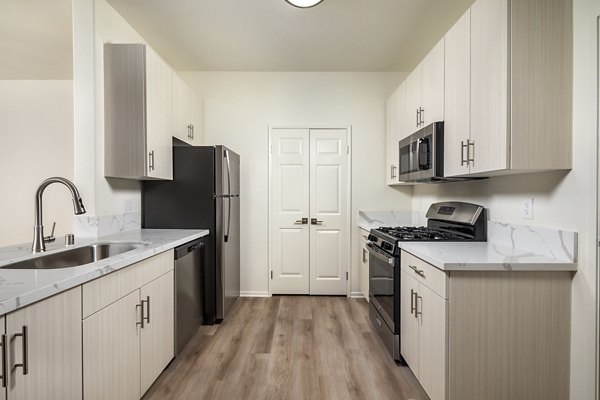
{"points": [[78, 206]]}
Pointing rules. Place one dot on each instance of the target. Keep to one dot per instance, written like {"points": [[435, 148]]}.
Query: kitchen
{"points": [[245, 91]]}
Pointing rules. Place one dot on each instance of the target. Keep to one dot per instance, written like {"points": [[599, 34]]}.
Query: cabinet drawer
{"points": [[427, 274], [105, 290]]}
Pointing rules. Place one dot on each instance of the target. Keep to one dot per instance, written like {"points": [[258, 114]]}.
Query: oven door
{"points": [[384, 285]]}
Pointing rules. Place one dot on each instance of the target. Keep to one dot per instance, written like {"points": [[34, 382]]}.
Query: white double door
{"points": [[309, 211]]}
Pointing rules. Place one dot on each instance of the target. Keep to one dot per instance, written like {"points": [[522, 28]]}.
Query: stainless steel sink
{"points": [[76, 257]]}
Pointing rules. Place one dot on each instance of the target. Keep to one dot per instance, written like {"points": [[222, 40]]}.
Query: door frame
{"points": [[348, 129], [597, 238]]}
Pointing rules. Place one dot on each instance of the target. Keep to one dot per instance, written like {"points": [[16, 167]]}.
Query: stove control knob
{"points": [[373, 238]]}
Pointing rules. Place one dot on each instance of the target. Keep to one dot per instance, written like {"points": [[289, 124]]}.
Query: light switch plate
{"points": [[527, 208]]}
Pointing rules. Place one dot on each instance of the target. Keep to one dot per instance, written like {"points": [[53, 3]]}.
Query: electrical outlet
{"points": [[527, 208], [128, 205]]}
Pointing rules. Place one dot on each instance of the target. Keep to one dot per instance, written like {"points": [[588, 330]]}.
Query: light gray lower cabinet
{"points": [[41, 349], [128, 329], [494, 335]]}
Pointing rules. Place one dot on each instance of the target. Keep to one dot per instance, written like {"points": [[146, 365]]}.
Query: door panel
{"points": [[328, 237], [457, 96], [159, 116], [409, 327], [489, 85], [231, 254], [433, 85], [327, 254], [54, 349], [432, 343], [289, 204], [157, 337], [111, 351]]}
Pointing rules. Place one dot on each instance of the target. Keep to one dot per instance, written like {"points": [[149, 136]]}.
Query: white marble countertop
{"points": [[19, 288], [484, 256]]}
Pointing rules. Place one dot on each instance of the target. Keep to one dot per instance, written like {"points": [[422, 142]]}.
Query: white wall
{"points": [[238, 107], [561, 200], [36, 142], [96, 23]]}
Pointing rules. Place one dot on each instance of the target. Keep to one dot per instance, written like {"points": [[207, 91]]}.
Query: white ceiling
{"points": [[36, 40], [271, 35]]}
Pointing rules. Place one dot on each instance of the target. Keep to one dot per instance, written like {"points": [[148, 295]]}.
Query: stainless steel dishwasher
{"points": [[189, 304]]}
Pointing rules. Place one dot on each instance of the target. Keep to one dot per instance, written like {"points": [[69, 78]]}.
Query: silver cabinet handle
{"points": [[315, 221], [364, 256], [462, 152], [141, 307], [470, 157], [418, 117], [192, 125], [417, 271], [302, 221], [147, 317], [421, 116], [417, 312], [412, 301], [4, 377], [25, 353], [151, 161]]}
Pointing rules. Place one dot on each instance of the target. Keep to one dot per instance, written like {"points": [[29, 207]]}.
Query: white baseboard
{"points": [[356, 295], [254, 294]]}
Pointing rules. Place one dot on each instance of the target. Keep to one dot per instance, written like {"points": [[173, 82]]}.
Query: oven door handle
{"points": [[377, 254]]}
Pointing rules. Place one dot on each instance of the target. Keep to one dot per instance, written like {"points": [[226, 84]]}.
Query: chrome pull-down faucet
{"points": [[39, 241]]}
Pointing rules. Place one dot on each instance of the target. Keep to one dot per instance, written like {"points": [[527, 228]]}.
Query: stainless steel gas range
{"points": [[446, 221]]}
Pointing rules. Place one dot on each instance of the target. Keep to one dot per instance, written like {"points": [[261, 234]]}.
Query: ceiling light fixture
{"points": [[304, 3]]}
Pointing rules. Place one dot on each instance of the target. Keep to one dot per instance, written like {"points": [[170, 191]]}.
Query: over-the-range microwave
{"points": [[422, 156]]}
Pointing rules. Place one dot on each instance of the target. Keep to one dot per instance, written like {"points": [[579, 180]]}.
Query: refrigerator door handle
{"points": [[228, 195], [228, 218], [228, 172]]}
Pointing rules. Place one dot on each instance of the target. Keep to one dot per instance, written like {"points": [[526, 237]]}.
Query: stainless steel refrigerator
{"points": [[204, 194]]}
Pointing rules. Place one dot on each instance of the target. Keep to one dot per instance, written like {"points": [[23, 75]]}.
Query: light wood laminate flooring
{"points": [[288, 347]]}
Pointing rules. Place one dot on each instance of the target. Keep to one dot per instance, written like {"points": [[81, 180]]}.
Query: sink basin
{"points": [[76, 257]]}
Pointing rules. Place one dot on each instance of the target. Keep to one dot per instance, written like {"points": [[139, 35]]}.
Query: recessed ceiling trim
{"points": [[304, 3]]}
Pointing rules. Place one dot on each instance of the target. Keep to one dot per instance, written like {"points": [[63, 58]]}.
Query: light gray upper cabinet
{"points": [[457, 96], [520, 83], [186, 113], [425, 91], [138, 113]]}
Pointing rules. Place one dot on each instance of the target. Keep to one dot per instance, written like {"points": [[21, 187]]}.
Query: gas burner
{"points": [[410, 233]]}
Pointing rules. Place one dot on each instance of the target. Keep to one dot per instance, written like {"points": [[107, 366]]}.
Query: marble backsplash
{"points": [[94, 227], [555, 243]]}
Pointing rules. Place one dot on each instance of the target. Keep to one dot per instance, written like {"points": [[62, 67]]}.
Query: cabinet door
{"points": [[413, 100], [433, 329], [409, 327], [181, 110], [111, 351], [196, 118], [159, 117], [52, 354], [157, 335], [432, 82], [457, 96], [489, 85], [391, 144], [4, 353]]}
